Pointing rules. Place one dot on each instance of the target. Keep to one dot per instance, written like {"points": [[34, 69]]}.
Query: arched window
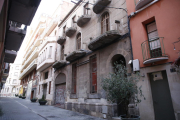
{"points": [[105, 22], [78, 41]]}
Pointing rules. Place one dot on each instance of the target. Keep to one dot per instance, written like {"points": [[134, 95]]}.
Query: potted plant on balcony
{"points": [[42, 101], [20, 96], [23, 97], [121, 89], [33, 99]]}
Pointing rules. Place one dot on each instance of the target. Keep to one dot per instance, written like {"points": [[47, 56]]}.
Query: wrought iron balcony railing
{"points": [[153, 48]]}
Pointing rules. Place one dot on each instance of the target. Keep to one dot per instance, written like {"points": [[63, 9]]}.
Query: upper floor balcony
{"points": [[75, 55], [15, 35], [61, 40], [33, 55], [70, 31], [50, 27], [82, 20], [59, 64], [100, 5], [30, 67], [46, 55], [153, 50], [141, 3], [103, 39], [10, 56]]}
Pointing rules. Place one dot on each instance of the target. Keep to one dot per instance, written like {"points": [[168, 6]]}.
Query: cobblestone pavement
{"points": [[20, 109]]}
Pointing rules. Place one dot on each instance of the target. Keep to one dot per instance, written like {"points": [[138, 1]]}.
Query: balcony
{"points": [[15, 36], [10, 56], [153, 50], [32, 66], [70, 31], [59, 64], [61, 40], [23, 10], [75, 55], [33, 55], [141, 3], [46, 55], [51, 39], [50, 28], [103, 39], [100, 5], [84, 19]]}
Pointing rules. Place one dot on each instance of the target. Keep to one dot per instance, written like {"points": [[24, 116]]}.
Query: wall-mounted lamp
{"points": [[176, 42]]}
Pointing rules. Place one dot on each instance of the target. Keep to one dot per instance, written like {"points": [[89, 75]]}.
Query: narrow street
{"points": [[20, 109]]}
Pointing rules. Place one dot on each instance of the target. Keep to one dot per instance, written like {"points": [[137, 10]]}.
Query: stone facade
{"points": [[118, 48]]}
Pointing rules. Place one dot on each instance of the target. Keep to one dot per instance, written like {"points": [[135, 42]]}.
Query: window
{"points": [[64, 31], [46, 75], [14, 81], [17, 67], [14, 90], [50, 52], [86, 9], [78, 42], [93, 74], [154, 42], [74, 77], [49, 87], [62, 52], [15, 74], [105, 22]]}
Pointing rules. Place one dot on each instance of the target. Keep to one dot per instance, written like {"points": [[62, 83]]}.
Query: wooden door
{"points": [[161, 96], [60, 95]]}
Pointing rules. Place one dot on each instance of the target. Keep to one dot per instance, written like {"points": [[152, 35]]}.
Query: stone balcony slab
{"points": [[84, 19], [61, 40], [59, 64], [103, 39], [100, 5], [70, 31], [75, 55]]}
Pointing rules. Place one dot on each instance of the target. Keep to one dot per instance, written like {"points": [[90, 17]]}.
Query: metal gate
{"points": [[60, 95]]}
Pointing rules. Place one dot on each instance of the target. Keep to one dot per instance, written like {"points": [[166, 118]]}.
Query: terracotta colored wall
{"points": [[167, 17]]}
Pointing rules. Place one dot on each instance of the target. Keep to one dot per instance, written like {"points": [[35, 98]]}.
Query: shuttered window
{"points": [[78, 42], [74, 78], [93, 74], [105, 22], [154, 42]]}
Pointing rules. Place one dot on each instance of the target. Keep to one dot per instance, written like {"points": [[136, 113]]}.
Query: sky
{"points": [[47, 7]]}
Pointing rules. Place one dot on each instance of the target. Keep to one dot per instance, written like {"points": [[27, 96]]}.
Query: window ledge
{"points": [[73, 96], [94, 96]]}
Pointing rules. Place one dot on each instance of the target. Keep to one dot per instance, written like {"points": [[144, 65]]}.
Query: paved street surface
{"points": [[19, 109]]}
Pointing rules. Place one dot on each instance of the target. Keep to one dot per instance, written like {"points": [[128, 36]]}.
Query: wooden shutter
{"points": [[93, 74], [74, 77]]}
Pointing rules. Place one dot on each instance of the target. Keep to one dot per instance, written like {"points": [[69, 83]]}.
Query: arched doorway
{"points": [[117, 59], [60, 88]]}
